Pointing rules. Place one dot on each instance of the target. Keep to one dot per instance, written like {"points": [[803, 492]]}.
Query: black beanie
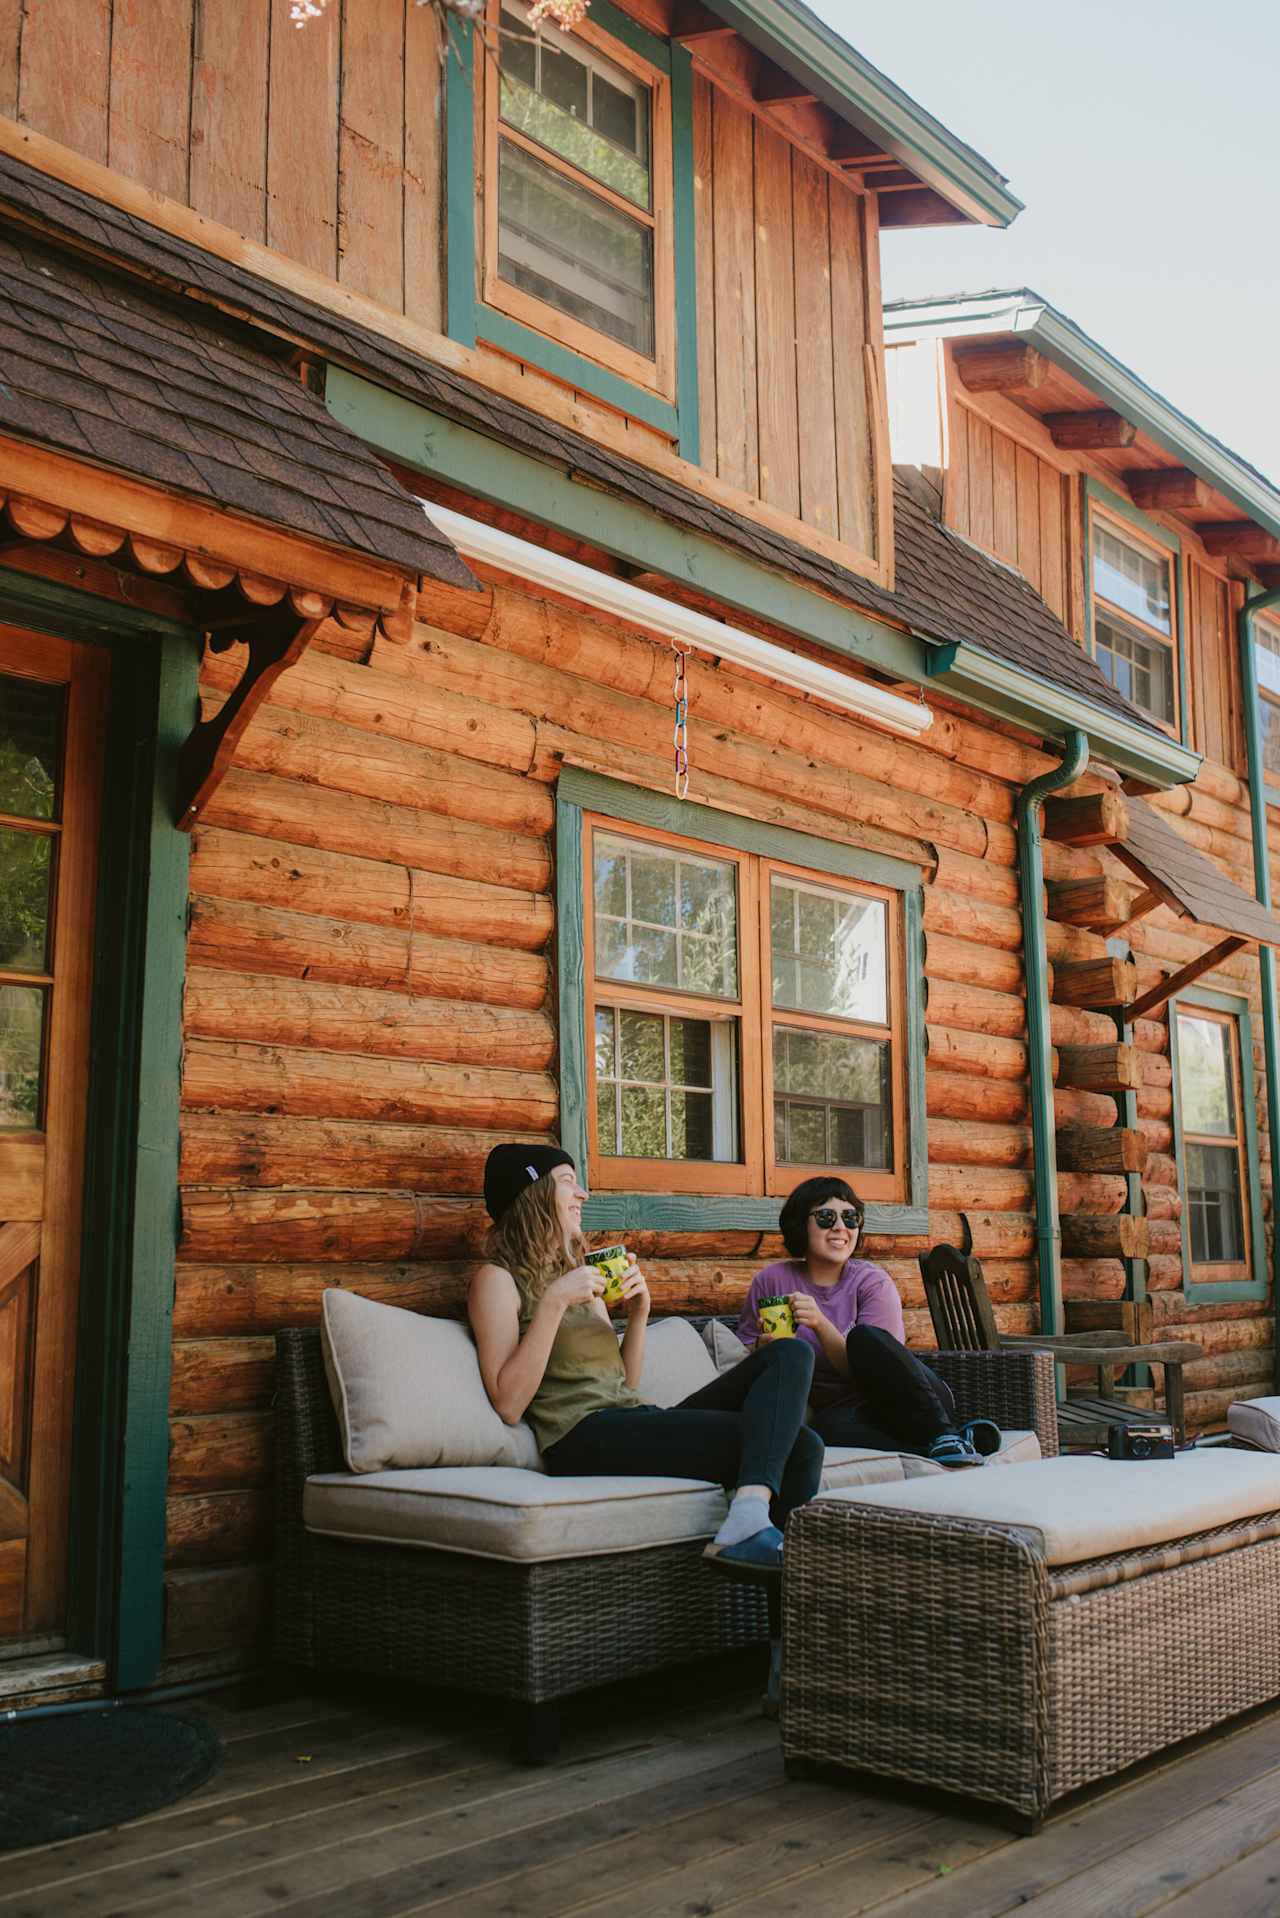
{"points": [[510, 1168]]}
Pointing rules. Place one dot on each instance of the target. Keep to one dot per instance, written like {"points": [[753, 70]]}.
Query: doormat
{"points": [[69, 1775]]}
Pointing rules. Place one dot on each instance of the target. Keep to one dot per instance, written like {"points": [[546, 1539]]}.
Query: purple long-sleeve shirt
{"points": [[864, 1294]]}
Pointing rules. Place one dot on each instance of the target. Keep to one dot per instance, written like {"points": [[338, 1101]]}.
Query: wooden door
{"points": [[52, 721]]}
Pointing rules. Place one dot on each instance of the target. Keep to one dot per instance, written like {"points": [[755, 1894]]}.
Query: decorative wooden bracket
{"points": [[276, 635], [1186, 976]]}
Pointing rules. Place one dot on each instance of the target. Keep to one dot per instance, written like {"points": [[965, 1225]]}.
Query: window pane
{"points": [[1141, 669], [1266, 655], [832, 1099], [674, 1082], [1269, 715], [1204, 1076], [22, 1014], [559, 243], [1131, 577], [30, 741], [830, 952], [1213, 1201], [665, 918], [582, 105], [26, 863]]}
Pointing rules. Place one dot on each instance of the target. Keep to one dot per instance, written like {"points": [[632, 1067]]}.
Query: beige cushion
{"points": [[1088, 1507], [724, 1345], [676, 1363], [407, 1391], [502, 1513], [1016, 1448], [1258, 1421], [846, 1465]]}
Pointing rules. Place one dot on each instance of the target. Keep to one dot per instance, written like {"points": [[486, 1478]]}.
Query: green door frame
{"points": [[121, 1443]]}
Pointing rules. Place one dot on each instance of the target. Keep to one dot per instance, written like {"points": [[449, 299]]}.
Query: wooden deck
{"points": [[658, 1805]]}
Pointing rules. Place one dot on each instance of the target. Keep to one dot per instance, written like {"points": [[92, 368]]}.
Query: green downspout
{"points": [[1039, 1043], [1262, 886]]}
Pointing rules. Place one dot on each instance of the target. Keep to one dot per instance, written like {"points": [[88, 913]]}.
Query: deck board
{"points": [[657, 1808]]}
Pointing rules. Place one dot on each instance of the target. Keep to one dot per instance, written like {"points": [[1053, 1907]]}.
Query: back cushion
{"points": [[408, 1392], [676, 1362]]}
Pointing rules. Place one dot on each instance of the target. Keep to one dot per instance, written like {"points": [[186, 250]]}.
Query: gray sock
{"points": [[747, 1516]]}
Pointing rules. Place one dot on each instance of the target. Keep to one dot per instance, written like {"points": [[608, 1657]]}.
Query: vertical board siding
{"points": [[850, 329], [1004, 498], [776, 403], [67, 97], [981, 484], [737, 434], [10, 40], [371, 154], [704, 214], [302, 138], [1217, 708], [1055, 547], [1028, 488], [815, 382], [423, 167], [1008, 500], [229, 114], [149, 123]]}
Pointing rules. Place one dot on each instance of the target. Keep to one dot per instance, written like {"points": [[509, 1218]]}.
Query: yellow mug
{"points": [[611, 1261], [777, 1319]]}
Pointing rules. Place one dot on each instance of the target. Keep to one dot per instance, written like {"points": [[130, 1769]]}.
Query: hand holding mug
{"points": [[578, 1287], [635, 1291], [806, 1310]]}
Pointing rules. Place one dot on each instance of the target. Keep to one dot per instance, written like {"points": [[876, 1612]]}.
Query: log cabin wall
{"points": [[1001, 465], [370, 1003]]}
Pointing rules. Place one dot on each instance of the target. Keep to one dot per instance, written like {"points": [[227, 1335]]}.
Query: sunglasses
{"points": [[826, 1216]]}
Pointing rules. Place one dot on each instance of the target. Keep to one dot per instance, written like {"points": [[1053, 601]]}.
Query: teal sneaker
{"points": [[952, 1449]]}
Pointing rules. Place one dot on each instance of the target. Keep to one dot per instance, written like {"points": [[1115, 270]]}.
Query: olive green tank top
{"points": [[584, 1374]]}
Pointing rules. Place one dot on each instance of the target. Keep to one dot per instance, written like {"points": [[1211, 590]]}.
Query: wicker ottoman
{"points": [[1013, 1635]]}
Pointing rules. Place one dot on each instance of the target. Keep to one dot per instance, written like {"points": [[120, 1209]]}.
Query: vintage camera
{"points": [[1140, 1441]]}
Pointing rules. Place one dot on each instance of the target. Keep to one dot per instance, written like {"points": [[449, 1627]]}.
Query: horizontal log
{"points": [[271, 872], [1101, 1149], [1087, 819], [1224, 1335], [218, 1528], [1171, 1307], [375, 1023], [302, 945], [966, 916], [1155, 1102], [960, 876], [1100, 904], [1165, 489], [229, 1300], [214, 1611], [1130, 1319], [1100, 1068], [997, 1235], [227, 1076], [1164, 1273], [1253, 1366], [339, 822], [219, 1451], [221, 1375], [975, 1009], [247, 1150], [962, 960], [1000, 368], [1207, 1411], [953, 1049], [962, 1095], [1092, 1192], [1239, 539], [1090, 429], [969, 1142], [965, 1188], [342, 1226], [1161, 1169], [1118, 1235], [1095, 982], [1086, 1279], [1162, 1202], [1166, 1238], [1158, 1134]]}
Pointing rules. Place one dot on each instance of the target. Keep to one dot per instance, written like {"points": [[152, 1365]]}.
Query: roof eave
{"points": [[801, 44], [1005, 690]]}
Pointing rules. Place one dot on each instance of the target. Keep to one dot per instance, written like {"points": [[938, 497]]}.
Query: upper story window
{"points": [[745, 1020], [1266, 666], [577, 241], [1134, 641]]}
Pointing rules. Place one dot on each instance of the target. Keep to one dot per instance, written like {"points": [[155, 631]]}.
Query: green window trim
{"points": [[1222, 1293], [1123, 509], [470, 319], [582, 792]]}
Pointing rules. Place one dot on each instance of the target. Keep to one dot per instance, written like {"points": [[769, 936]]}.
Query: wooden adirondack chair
{"points": [[960, 1307]]}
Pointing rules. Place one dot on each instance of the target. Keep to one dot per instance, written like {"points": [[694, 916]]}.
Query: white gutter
{"points": [[474, 540]]}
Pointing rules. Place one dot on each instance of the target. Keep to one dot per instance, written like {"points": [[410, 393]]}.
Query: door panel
{"points": [[52, 721]]}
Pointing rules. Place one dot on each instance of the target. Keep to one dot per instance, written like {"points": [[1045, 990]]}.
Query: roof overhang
{"points": [[805, 47], [996, 686], [1036, 323]]}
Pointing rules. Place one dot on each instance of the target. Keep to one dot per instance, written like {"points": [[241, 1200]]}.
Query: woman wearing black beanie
{"points": [[548, 1353]]}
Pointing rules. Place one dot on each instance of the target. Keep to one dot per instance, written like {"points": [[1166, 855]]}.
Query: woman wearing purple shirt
{"points": [[868, 1389]]}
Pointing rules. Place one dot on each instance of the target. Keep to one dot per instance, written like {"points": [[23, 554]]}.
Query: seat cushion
{"points": [[724, 1345], [1016, 1448], [846, 1465], [408, 1392], [1089, 1507], [1258, 1421], [510, 1514]]}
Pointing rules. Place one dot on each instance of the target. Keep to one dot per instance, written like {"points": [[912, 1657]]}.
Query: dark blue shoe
{"points": [[762, 1552], [952, 1449], [984, 1435]]}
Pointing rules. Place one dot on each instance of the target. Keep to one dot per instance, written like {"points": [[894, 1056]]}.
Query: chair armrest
{"points": [[1015, 1388], [1070, 1350]]}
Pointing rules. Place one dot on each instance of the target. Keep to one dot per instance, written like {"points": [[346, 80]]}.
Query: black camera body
{"points": [[1140, 1441]]}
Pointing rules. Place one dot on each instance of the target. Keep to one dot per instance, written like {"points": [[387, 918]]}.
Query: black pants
{"points": [[745, 1428], [903, 1405]]}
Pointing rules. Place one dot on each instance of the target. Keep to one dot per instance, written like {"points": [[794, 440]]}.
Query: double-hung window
{"points": [[1134, 641], [1266, 666], [745, 1022], [578, 196], [1215, 1156]]}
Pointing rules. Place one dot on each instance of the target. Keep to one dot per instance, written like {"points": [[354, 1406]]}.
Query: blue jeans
{"points": [[745, 1428]]}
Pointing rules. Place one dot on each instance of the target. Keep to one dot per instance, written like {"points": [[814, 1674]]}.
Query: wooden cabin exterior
{"points": [[436, 877]]}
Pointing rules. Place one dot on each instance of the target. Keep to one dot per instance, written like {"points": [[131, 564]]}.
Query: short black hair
{"points": [[794, 1221]]}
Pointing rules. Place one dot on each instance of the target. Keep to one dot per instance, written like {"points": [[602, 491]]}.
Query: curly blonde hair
{"points": [[528, 1241]]}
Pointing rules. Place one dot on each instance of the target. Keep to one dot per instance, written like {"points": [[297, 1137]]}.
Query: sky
{"points": [[1142, 138]]}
